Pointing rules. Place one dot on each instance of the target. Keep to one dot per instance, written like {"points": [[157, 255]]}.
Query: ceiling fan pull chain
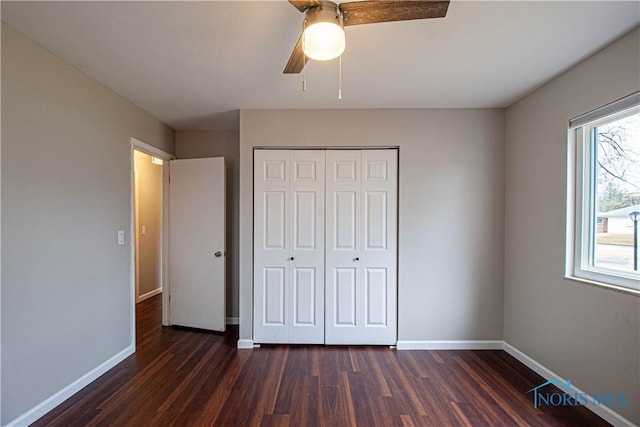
{"points": [[340, 77], [304, 56]]}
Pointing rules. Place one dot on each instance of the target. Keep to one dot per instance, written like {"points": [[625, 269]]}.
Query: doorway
{"points": [[148, 228], [147, 171]]}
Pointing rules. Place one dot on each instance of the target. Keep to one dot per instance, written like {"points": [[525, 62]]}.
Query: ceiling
{"points": [[194, 64]]}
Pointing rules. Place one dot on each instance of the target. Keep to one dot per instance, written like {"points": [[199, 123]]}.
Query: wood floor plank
{"points": [[495, 395], [478, 397], [297, 386], [335, 404], [218, 398], [468, 414], [374, 367], [437, 400], [362, 401], [278, 420], [407, 421], [344, 378], [401, 392], [386, 411], [187, 386], [255, 392], [396, 373], [190, 378], [410, 362]]}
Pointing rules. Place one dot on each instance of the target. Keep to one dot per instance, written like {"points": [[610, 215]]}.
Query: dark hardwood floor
{"points": [[190, 378]]}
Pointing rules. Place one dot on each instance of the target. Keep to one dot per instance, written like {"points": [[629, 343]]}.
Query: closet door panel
{"points": [[274, 220], [304, 296], [271, 273], [345, 220], [375, 290], [361, 240], [344, 300], [304, 217], [274, 279], [306, 302], [379, 247], [375, 220], [343, 237]]}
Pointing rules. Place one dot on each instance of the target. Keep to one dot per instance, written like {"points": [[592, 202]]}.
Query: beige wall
{"points": [[66, 190], [581, 332], [149, 210], [451, 208], [220, 143]]}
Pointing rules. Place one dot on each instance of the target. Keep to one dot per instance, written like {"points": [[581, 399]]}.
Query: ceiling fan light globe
{"points": [[323, 41]]}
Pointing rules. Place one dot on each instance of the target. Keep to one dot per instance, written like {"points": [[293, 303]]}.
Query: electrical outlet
{"points": [[120, 237]]}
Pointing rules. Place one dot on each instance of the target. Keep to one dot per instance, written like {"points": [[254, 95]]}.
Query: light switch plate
{"points": [[120, 237]]}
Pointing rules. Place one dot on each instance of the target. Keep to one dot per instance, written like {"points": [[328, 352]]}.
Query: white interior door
{"points": [[197, 243], [307, 246], [361, 247], [289, 246]]}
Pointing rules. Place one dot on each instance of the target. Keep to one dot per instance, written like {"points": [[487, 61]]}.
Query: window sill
{"points": [[617, 288]]}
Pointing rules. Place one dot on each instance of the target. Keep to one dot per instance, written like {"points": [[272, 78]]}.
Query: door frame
{"points": [[136, 144]]}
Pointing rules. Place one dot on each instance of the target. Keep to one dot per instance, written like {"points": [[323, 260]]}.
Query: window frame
{"points": [[581, 188]]}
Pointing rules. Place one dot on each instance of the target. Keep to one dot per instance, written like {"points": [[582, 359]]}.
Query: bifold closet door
{"points": [[361, 246], [289, 246]]}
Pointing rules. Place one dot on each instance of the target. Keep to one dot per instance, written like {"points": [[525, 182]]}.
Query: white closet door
{"points": [[361, 240], [271, 245], [289, 246], [307, 247]]}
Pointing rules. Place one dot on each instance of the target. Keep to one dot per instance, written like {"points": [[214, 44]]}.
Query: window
{"points": [[604, 195]]}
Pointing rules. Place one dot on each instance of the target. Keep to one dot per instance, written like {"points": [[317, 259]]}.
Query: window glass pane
{"points": [[617, 192]]}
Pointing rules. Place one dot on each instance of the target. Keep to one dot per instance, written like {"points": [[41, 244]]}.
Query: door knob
{"points": [[291, 259], [356, 259], [218, 254]]}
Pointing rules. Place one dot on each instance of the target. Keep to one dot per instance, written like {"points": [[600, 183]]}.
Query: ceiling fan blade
{"points": [[370, 12], [297, 60], [303, 5]]}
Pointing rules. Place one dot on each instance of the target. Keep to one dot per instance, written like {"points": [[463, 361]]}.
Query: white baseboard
{"points": [[149, 294], [245, 343], [48, 404], [602, 411], [449, 345], [233, 320]]}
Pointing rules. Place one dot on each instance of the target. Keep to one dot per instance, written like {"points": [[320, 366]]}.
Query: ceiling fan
{"points": [[323, 26]]}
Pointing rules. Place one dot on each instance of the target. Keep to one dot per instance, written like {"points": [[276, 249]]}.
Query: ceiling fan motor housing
{"points": [[327, 11]]}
